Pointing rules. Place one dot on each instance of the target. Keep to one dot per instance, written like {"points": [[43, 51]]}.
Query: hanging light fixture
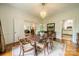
{"points": [[43, 12]]}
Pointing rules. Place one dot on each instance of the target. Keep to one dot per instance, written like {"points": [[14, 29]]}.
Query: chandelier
{"points": [[43, 12]]}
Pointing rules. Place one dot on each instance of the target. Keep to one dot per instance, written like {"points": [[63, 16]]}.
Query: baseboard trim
{"points": [[9, 46], [67, 34], [12, 43]]}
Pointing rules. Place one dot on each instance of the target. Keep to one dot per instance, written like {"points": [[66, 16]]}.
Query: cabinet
{"points": [[51, 27], [51, 30]]}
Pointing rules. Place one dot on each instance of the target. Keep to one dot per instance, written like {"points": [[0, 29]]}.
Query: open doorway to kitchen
{"points": [[67, 29]]}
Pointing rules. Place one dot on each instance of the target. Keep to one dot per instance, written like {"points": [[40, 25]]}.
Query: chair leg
{"points": [[51, 45], [20, 52], [44, 50], [36, 51], [47, 48], [23, 52]]}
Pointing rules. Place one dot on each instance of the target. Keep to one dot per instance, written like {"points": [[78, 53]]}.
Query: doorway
{"points": [[2, 41], [67, 29]]}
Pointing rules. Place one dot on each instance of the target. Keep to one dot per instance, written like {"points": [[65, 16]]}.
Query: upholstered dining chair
{"points": [[38, 47], [45, 43], [50, 38], [25, 46], [48, 42]]}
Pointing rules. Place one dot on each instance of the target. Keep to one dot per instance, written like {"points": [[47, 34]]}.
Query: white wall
{"points": [[64, 15], [7, 15], [67, 32]]}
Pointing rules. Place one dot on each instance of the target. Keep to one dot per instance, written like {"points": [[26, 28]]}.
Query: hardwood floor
{"points": [[8, 53], [70, 50]]}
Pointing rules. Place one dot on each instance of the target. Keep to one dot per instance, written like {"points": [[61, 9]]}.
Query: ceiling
{"points": [[34, 9]]}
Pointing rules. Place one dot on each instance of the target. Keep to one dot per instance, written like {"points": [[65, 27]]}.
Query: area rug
{"points": [[58, 50]]}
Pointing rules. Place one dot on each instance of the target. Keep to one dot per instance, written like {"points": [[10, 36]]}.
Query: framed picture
{"points": [[51, 27]]}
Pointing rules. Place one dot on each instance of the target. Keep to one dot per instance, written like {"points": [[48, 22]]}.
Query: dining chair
{"points": [[23, 46]]}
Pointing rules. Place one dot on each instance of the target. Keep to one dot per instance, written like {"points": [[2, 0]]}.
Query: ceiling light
{"points": [[43, 12]]}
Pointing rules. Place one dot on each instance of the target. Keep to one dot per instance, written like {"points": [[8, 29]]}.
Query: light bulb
{"points": [[43, 14]]}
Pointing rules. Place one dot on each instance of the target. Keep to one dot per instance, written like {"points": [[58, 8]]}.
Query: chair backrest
{"points": [[22, 41]]}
